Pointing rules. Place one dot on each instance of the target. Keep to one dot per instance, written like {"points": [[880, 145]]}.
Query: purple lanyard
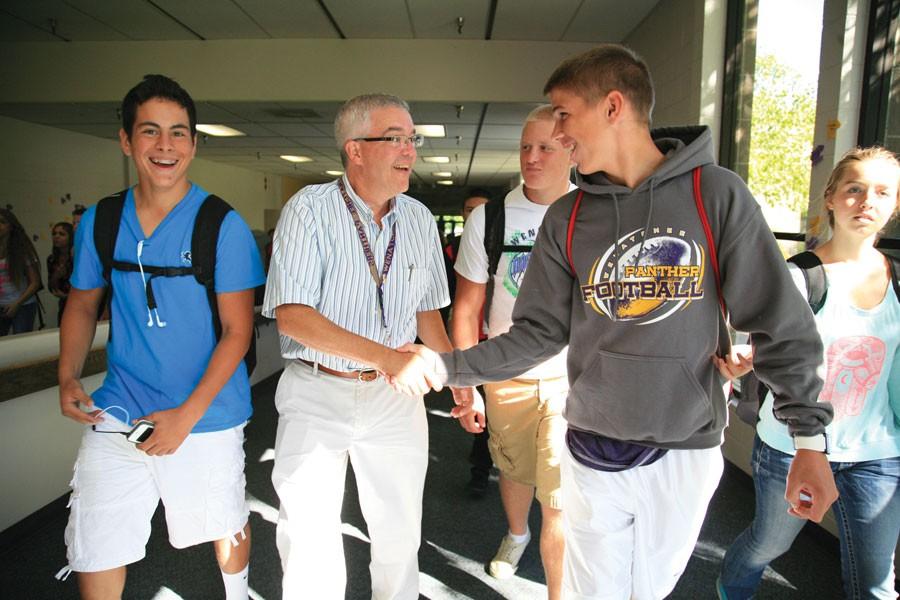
{"points": [[367, 251]]}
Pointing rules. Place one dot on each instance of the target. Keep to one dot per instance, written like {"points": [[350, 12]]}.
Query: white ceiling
{"points": [[481, 140]]}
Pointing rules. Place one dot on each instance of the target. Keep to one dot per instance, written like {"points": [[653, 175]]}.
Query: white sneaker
{"points": [[506, 561]]}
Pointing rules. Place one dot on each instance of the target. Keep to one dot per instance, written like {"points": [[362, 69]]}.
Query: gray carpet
{"points": [[459, 536]]}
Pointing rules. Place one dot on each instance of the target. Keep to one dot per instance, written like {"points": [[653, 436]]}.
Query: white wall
{"points": [[670, 40], [42, 166]]}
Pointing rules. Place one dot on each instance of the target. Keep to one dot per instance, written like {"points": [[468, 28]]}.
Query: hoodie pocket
{"points": [[641, 398]]}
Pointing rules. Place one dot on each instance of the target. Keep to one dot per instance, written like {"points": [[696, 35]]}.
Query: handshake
{"points": [[414, 369]]}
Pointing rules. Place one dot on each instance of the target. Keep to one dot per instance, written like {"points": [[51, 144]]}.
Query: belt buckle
{"points": [[367, 375]]}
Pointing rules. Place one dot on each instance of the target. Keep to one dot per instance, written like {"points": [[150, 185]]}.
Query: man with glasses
{"points": [[165, 363], [356, 271]]}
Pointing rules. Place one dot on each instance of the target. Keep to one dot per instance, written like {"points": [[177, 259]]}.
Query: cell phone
{"points": [[140, 432]]}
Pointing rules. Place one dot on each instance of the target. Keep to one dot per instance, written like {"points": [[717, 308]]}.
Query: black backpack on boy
{"points": [[204, 240]]}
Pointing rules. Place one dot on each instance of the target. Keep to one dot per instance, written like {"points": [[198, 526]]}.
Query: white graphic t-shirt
{"points": [[523, 219]]}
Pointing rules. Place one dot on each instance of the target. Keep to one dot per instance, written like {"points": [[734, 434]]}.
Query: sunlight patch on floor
{"points": [[266, 511]]}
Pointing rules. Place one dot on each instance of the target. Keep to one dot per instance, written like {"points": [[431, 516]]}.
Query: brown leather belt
{"points": [[365, 375]]}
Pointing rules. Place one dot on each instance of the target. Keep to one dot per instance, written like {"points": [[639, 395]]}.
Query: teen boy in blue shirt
{"points": [[165, 365]]}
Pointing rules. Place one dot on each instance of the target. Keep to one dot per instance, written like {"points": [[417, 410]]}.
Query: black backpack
{"points": [[753, 391], [204, 240], [494, 246]]}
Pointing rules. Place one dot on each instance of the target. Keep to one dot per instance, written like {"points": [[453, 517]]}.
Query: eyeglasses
{"points": [[416, 140]]}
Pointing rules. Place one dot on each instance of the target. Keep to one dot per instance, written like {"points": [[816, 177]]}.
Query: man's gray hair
{"points": [[352, 119]]}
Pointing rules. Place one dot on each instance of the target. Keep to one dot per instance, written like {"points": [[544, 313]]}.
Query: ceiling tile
{"points": [[371, 20], [437, 19], [15, 29], [607, 20], [538, 19], [214, 19], [289, 18], [135, 19]]}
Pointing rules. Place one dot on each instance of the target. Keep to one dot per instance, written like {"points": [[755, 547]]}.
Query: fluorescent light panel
{"points": [[334, 173], [296, 159], [442, 174], [436, 159], [444, 182], [218, 130], [431, 130]]}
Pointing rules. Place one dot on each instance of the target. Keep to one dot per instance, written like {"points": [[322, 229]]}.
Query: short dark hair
{"points": [[477, 193], [78, 210], [156, 86], [595, 73]]}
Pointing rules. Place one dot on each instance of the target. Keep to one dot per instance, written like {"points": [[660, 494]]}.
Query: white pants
{"points": [[630, 534], [323, 421]]}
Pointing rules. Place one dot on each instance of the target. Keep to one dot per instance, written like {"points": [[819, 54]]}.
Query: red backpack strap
{"points": [[570, 231], [710, 243]]}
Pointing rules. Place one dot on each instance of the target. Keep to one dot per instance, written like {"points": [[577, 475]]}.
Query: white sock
{"points": [[237, 584], [520, 539]]}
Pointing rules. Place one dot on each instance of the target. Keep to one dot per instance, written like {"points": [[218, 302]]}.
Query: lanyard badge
{"points": [[378, 278]]}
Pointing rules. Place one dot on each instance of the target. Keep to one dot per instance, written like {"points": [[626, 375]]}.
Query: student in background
{"points": [[859, 322], [479, 455], [525, 414], [60, 263], [20, 276]]}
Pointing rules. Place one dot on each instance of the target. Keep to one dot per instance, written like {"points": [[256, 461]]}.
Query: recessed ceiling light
{"points": [[436, 159], [431, 130], [334, 173], [296, 159], [442, 174], [218, 130], [444, 182]]}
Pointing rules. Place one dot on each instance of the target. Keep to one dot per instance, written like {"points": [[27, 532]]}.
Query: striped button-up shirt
{"points": [[317, 260]]}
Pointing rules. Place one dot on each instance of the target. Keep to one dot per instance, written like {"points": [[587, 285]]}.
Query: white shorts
{"points": [[630, 534], [116, 489]]}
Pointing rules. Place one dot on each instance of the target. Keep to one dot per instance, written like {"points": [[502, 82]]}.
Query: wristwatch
{"points": [[818, 443]]}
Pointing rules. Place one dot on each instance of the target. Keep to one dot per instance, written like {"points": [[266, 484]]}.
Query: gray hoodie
{"points": [[641, 336]]}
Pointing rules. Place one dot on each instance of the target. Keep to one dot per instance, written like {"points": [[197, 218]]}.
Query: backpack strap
{"points": [[204, 246], [570, 231], [107, 218], [814, 275], [204, 243], [894, 265], [724, 343], [494, 228], [106, 230]]}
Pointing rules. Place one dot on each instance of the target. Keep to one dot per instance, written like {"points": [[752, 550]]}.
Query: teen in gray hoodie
{"points": [[628, 284]]}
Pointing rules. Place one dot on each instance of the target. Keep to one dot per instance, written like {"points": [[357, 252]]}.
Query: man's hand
{"points": [[471, 416], [738, 363], [71, 397], [810, 486], [411, 374], [171, 427], [10, 310]]}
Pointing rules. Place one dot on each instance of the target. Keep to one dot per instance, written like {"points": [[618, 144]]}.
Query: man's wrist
{"points": [[816, 443]]}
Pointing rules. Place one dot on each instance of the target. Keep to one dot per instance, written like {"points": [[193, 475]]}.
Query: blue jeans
{"points": [[868, 518], [21, 322]]}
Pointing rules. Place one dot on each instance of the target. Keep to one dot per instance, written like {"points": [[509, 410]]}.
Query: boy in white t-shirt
{"points": [[525, 414]]}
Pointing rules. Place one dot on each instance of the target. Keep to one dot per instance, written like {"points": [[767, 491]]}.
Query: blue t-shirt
{"points": [[154, 368], [861, 374]]}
